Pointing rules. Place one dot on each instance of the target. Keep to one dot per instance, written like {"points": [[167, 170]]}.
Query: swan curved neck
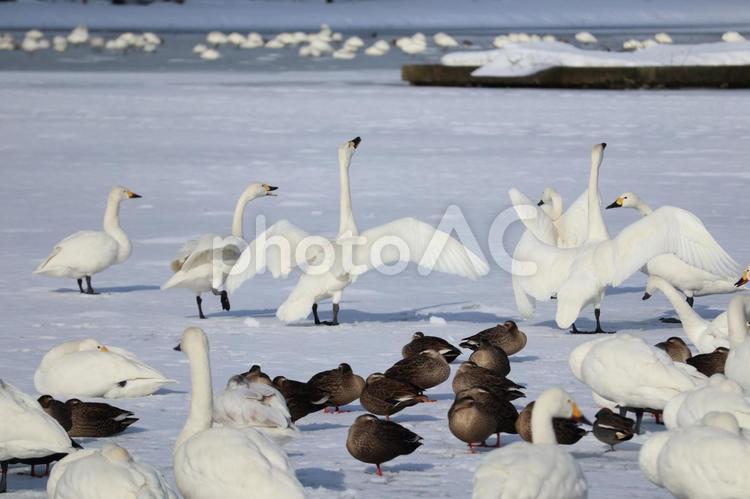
{"points": [[597, 230], [737, 315], [693, 324], [200, 416], [542, 431], [347, 225], [643, 208], [238, 229], [112, 227]]}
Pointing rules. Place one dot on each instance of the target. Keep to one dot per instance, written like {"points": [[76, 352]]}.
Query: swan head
{"points": [[258, 190], [120, 193], [193, 339], [551, 203], [90, 345], [653, 284], [597, 153], [744, 278], [625, 200], [114, 452], [346, 150], [560, 404]]}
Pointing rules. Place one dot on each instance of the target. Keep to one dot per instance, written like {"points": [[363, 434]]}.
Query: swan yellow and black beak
{"points": [[578, 416], [132, 195], [269, 189], [355, 142], [103, 349], [743, 280], [617, 204]]}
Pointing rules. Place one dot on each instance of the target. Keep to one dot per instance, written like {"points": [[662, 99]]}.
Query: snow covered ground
{"points": [[190, 142]]}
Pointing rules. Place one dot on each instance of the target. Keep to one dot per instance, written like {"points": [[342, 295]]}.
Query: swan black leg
{"points": [[638, 419], [225, 301], [315, 314], [335, 321], [199, 301], [598, 330], [690, 301], [4, 478], [89, 289], [80, 285], [623, 411]]}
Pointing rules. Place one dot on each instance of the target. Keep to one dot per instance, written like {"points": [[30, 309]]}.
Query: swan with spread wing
{"points": [[330, 265]]}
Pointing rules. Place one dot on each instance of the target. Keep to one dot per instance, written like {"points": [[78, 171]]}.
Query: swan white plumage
{"points": [[542, 469], [706, 460], [423, 244], [107, 472], [89, 252], [584, 273], [202, 264], [255, 405], [738, 360], [27, 431], [692, 281], [707, 336], [232, 463], [719, 394], [87, 368]]}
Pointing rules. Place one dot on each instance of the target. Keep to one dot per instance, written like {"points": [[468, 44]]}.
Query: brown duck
{"points": [[424, 370], [256, 375], [386, 396], [341, 384], [301, 398], [58, 410], [374, 441], [710, 363], [506, 336], [491, 358], [503, 412], [87, 419], [470, 375], [567, 431], [419, 343], [676, 348]]}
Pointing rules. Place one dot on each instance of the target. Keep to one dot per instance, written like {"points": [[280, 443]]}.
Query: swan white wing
{"points": [[430, 248], [648, 457], [87, 251], [540, 269], [669, 230], [573, 225], [249, 406], [182, 254], [533, 217], [275, 249]]}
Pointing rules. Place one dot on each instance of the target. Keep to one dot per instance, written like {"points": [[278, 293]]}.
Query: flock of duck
{"points": [[231, 443]]}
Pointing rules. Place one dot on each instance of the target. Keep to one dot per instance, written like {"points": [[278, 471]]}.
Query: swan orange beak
{"points": [[578, 416], [132, 195], [743, 280]]}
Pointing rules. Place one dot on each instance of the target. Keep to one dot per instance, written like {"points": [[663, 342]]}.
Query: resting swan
{"points": [[581, 275], [737, 366], [331, 273], [719, 394], [89, 252], [202, 264], [541, 469], [107, 472], [692, 281], [230, 463], [26, 431], [86, 368], [707, 336]]}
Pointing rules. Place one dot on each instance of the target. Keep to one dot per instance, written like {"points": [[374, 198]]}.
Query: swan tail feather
{"points": [[295, 308], [42, 266]]}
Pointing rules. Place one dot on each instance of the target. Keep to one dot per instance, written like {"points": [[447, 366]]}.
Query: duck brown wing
{"points": [[567, 432], [398, 437]]}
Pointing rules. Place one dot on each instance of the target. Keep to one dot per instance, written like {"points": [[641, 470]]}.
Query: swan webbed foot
{"points": [[670, 320], [80, 285], [225, 301], [329, 323], [89, 289], [599, 330], [199, 301]]}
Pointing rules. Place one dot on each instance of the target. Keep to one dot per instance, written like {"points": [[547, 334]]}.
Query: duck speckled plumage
{"points": [[256, 375], [506, 336], [470, 375], [710, 363], [492, 358], [341, 384], [386, 396], [419, 343], [374, 441], [424, 370], [301, 398], [676, 348]]}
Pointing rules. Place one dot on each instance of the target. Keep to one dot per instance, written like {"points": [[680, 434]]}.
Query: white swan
{"points": [[201, 265], [542, 469], [86, 368], [737, 366], [631, 373], [582, 274], [255, 405], [226, 462], [719, 394], [89, 252], [26, 431], [351, 255], [707, 460], [707, 336], [692, 281], [107, 472]]}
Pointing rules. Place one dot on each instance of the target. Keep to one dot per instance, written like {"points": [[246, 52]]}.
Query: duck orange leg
{"points": [[378, 471]]}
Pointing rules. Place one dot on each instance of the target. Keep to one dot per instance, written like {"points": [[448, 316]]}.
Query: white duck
{"points": [[350, 254], [107, 472], [243, 404], [631, 373], [26, 432], [692, 281], [542, 469], [705, 335], [202, 264], [719, 394], [707, 460], [584, 273], [86, 368], [224, 462], [738, 360], [89, 252]]}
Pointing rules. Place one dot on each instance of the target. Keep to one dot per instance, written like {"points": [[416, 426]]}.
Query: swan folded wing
{"points": [[669, 230], [245, 407], [88, 246], [573, 225], [428, 247], [275, 249], [533, 217]]}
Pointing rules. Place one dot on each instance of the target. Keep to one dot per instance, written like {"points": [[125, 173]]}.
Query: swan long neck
{"points": [[201, 399], [643, 208], [542, 431], [112, 227], [693, 324], [737, 315], [238, 229], [597, 230], [346, 220]]}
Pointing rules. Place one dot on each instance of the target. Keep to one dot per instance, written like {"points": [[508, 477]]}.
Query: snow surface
{"points": [[190, 142]]}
